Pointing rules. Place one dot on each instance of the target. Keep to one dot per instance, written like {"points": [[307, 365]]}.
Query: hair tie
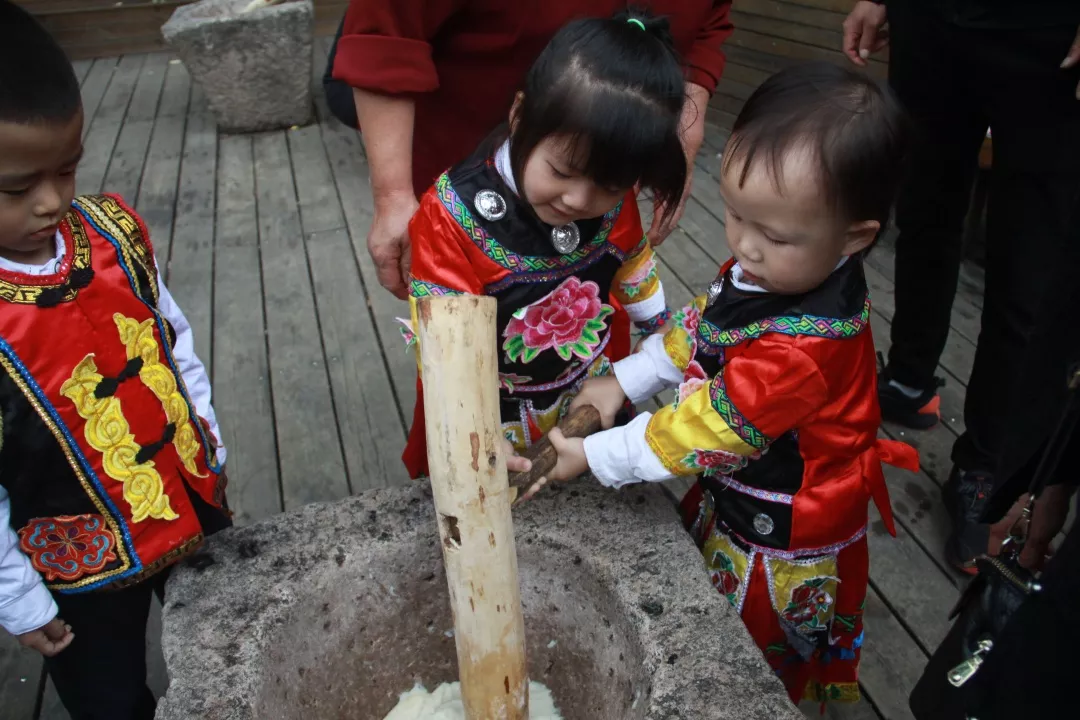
{"points": [[635, 21]]}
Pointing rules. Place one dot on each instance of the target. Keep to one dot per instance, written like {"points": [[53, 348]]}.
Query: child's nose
{"points": [[47, 201]]}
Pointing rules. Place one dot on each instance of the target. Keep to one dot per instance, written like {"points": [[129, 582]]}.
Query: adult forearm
{"points": [[386, 126]]}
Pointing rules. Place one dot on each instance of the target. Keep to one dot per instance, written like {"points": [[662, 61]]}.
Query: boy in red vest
{"points": [[110, 465]]}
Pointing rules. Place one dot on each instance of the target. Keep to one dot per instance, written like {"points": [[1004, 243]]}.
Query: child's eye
{"points": [[16, 193], [774, 241], [558, 174], [734, 215]]}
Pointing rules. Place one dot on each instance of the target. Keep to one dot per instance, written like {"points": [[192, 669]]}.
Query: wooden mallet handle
{"points": [[582, 422]]}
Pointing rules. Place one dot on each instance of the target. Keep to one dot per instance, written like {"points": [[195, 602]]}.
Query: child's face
{"points": [[558, 192], [37, 184], [788, 240]]}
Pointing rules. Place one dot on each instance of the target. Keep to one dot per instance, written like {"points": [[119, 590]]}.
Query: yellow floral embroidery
{"points": [[140, 343], [108, 432]]}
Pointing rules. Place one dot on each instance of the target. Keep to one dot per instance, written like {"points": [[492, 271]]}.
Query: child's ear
{"points": [[860, 236], [515, 110]]}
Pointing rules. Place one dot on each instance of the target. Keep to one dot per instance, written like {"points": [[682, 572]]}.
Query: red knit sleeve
{"points": [[385, 45], [705, 60]]}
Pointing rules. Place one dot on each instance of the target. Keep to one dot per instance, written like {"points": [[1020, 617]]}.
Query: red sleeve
{"points": [[439, 255], [627, 233], [705, 60], [385, 45]]}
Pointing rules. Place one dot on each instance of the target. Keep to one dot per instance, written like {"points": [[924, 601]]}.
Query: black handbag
{"points": [[948, 683]]}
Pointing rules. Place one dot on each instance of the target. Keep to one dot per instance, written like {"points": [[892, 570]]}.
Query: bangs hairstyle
{"points": [[855, 129], [37, 82], [616, 93]]}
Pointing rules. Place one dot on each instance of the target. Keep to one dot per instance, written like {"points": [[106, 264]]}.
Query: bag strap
{"points": [[1051, 458]]}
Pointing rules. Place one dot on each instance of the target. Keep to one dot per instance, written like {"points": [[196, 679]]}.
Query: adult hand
{"points": [[1072, 59], [388, 242], [864, 31], [692, 134], [1047, 519], [50, 639]]}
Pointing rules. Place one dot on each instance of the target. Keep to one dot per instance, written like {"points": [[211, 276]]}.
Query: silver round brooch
{"points": [[764, 524], [565, 238], [490, 205]]}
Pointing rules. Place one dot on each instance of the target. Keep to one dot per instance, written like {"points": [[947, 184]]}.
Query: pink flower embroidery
{"points": [[693, 380], [633, 282], [569, 321]]}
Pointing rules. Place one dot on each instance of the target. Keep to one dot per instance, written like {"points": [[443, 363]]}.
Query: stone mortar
{"points": [[255, 68], [333, 610]]}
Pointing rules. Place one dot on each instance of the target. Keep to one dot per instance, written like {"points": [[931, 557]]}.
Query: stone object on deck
{"points": [[333, 610], [254, 67]]}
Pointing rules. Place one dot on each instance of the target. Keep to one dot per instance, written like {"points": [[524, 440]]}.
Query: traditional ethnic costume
{"points": [[777, 414], [110, 470], [566, 295]]}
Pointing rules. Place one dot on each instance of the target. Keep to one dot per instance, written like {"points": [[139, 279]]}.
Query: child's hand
{"points": [[514, 462], [50, 639], [603, 393], [571, 463]]}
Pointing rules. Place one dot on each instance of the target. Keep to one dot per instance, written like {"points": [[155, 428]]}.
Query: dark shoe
{"points": [[918, 413], [966, 495]]}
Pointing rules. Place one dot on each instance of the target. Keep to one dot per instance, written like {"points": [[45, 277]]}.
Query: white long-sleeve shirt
{"points": [[622, 456], [25, 602]]}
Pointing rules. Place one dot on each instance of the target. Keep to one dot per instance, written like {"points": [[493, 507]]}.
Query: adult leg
{"points": [[1014, 395], [927, 71], [102, 674]]}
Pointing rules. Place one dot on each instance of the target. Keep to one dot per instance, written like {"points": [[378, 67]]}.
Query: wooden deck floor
{"points": [[262, 241]]}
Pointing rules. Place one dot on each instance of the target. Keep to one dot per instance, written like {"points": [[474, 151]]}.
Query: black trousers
{"points": [[102, 674], [955, 82]]}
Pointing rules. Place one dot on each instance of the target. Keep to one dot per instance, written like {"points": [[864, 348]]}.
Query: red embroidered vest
{"points": [[101, 441]]}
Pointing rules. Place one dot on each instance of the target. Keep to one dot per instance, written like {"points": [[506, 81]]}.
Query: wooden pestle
{"points": [[582, 422]]}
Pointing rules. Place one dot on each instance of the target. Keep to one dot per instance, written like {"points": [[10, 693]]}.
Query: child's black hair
{"points": [[37, 82], [615, 90], [855, 128]]}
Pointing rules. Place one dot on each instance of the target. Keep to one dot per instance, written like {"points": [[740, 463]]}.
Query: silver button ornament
{"points": [[565, 238], [763, 524], [490, 205]]}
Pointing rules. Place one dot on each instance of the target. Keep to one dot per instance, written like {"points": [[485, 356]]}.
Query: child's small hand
{"points": [[50, 639], [514, 462], [571, 463], [603, 393]]}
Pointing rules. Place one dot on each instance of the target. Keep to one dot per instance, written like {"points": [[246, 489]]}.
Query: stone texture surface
{"points": [[255, 67], [333, 610]]}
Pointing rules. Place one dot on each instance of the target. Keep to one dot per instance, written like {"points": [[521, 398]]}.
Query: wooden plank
{"points": [[20, 679], [793, 12], [345, 151], [916, 587], [359, 376], [743, 74], [82, 69], [760, 60], [309, 447], [747, 38], [129, 155], [320, 208], [99, 32], [105, 126], [156, 200], [189, 269], [93, 89], [891, 661], [242, 395], [839, 6], [829, 40]]}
